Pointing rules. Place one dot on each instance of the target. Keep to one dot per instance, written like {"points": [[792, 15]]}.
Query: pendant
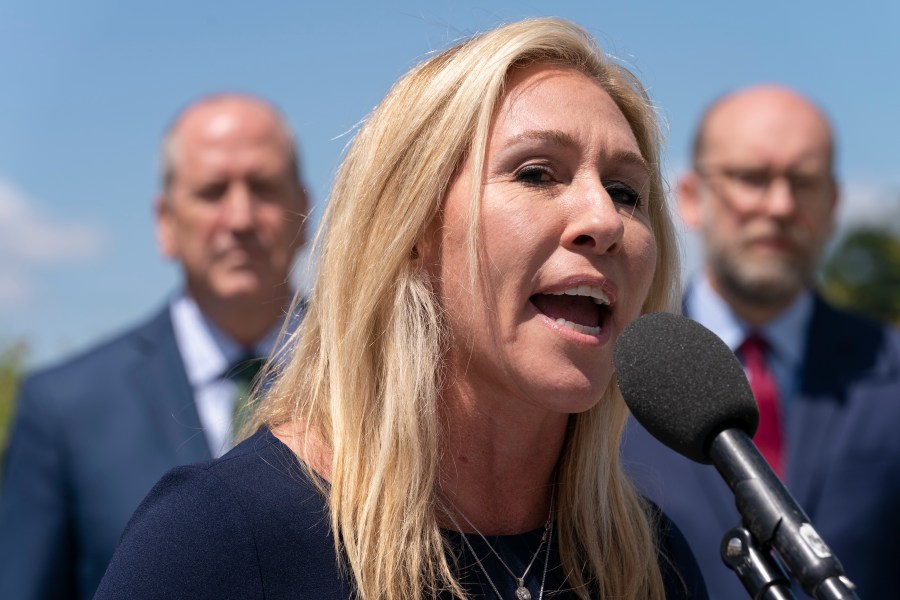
{"points": [[522, 593]]}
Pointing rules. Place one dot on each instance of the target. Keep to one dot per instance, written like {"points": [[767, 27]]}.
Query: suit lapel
{"points": [[811, 426], [166, 395], [836, 353]]}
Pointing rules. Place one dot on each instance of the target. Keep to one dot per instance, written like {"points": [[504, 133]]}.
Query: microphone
{"points": [[686, 387]]}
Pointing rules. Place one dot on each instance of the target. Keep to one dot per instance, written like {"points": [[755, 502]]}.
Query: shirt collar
{"points": [[206, 350], [785, 333]]}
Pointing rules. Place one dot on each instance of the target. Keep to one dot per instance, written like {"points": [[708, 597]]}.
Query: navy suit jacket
{"points": [[90, 439], [843, 461]]}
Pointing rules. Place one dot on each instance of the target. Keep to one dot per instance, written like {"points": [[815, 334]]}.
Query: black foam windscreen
{"points": [[682, 383]]}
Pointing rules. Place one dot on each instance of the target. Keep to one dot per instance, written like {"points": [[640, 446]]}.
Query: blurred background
{"points": [[88, 88]]}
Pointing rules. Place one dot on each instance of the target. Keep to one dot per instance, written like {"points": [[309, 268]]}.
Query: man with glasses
{"points": [[762, 195]]}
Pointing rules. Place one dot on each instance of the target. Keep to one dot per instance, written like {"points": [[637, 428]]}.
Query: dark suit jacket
{"points": [[843, 462], [90, 439]]}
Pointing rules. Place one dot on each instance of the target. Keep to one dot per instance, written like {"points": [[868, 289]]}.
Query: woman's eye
{"points": [[534, 175], [623, 194]]}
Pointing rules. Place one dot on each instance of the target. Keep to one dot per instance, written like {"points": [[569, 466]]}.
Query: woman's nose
{"points": [[595, 222]]}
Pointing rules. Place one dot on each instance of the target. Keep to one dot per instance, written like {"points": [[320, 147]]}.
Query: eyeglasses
{"points": [[747, 187]]}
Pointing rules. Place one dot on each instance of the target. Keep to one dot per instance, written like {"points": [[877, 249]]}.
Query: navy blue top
{"points": [[252, 525]]}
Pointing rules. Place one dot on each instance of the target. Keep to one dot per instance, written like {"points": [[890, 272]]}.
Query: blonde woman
{"points": [[446, 423]]}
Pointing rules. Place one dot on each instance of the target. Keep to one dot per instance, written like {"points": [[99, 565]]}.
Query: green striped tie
{"points": [[243, 373]]}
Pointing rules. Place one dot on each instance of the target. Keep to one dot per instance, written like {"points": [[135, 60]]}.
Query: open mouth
{"points": [[583, 308]]}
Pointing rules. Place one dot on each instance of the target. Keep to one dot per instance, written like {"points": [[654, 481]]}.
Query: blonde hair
{"points": [[363, 378]]}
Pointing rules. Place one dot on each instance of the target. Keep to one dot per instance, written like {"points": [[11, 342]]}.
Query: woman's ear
{"points": [[427, 246]]}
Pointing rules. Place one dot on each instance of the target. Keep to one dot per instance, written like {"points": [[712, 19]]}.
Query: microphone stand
{"points": [[762, 577], [775, 519]]}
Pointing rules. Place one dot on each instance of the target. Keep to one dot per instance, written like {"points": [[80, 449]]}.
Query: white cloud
{"points": [[14, 288], [29, 238]]}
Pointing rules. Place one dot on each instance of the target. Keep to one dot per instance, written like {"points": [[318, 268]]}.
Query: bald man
{"points": [[93, 435], [762, 196]]}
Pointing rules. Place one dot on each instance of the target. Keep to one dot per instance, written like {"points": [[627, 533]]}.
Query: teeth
{"points": [[579, 328], [590, 291]]}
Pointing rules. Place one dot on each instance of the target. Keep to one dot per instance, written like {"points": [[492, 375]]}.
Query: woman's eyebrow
{"points": [[630, 158], [558, 137]]}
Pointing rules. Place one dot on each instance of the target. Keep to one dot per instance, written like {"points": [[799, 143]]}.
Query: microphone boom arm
{"points": [[762, 576], [775, 519]]}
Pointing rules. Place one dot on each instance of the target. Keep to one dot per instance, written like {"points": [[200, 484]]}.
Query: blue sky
{"points": [[89, 86]]}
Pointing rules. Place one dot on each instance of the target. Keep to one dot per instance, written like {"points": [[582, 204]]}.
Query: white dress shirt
{"points": [[207, 353]]}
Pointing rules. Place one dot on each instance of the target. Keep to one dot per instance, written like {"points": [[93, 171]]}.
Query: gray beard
{"points": [[767, 285]]}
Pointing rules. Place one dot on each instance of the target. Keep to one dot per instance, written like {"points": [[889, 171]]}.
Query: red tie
{"points": [[769, 436]]}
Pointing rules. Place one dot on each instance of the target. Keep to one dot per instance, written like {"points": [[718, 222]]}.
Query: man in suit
{"points": [[762, 195], [92, 436]]}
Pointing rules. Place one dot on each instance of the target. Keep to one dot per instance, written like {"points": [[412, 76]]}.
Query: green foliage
{"points": [[863, 273], [12, 358]]}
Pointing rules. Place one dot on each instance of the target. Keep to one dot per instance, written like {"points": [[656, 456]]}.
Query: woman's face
{"points": [[568, 253]]}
